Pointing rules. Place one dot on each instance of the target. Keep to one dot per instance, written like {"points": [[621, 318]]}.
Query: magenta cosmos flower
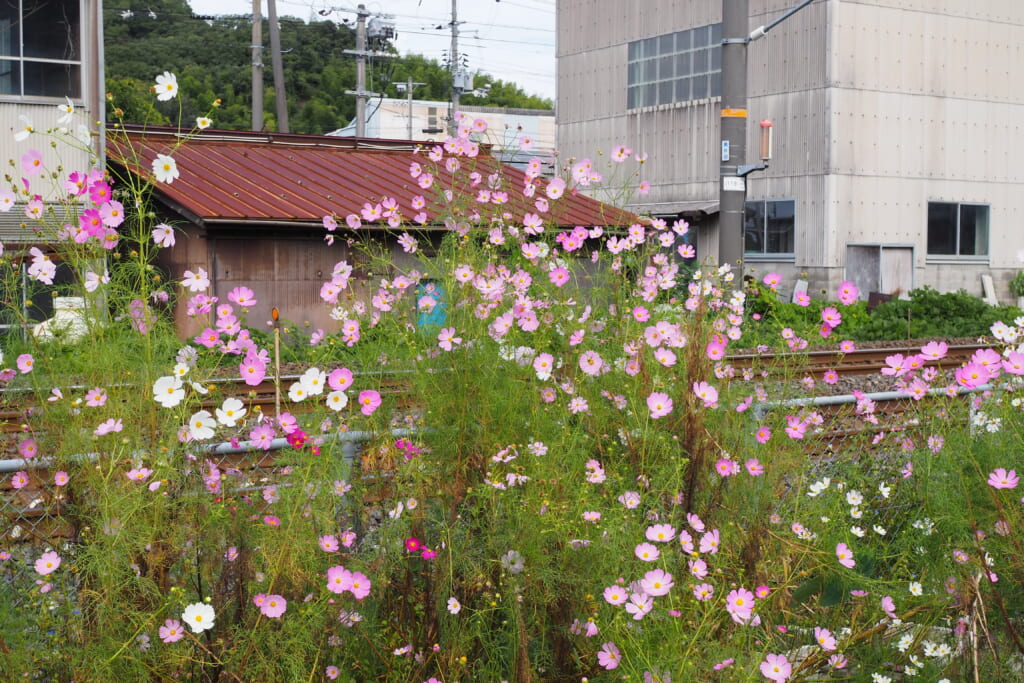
{"points": [[1001, 479]]}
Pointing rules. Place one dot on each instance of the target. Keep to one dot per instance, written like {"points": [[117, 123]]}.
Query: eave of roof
{"points": [[251, 178]]}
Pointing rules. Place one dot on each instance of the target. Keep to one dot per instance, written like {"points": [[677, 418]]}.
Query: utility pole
{"points": [[257, 65], [733, 171], [409, 85], [275, 58], [361, 52], [732, 188], [453, 59]]}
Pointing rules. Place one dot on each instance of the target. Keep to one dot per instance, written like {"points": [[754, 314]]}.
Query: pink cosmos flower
{"points": [[659, 404], [709, 542], [706, 393], [772, 280], [754, 467], [109, 427], [660, 533], [95, 398], [591, 363], [609, 656], [328, 543], [703, 591], [802, 299], [848, 292], [1001, 479], [20, 479], [339, 579], [740, 602], [47, 563], [825, 638], [763, 435], [172, 631], [889, 606], [252, 369], [369, 401], [845, 555], [558, 276], [332, 672], [28, 449], [25, 363], [616, 595], [656, 582], [647, 552], [61, 478], [831, 317], [360, 587], [776, 668], [273, 606], [935, 350], [262, 436], [639, 605], [243, 296]]}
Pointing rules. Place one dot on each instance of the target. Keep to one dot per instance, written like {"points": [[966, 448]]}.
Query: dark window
{"points": [[769, 227], [41, 43], [957, 229]]}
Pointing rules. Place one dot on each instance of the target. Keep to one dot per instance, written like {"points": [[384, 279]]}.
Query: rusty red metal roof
{"points": [[243, 177]]}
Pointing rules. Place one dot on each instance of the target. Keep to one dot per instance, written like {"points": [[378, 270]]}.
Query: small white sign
{"points": [[734, 184], [725, 150]]}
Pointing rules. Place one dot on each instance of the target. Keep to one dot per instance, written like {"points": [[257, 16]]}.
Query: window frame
{"points": [[958, 257], [20, 61], [660, 68], [765, 255]]}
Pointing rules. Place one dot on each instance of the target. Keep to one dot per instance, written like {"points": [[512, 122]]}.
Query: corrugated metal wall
{"points": [[879, 106]]}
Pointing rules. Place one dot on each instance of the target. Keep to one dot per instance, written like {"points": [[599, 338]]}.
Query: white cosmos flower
{"points": [[298, 392], [454, 606], [202, 122], [168, 391], [165, 169], [200, 426], [166, 86], [67, 112], [313, 379], [25, 129], [336, 400], [199, 616], [230, 412]]}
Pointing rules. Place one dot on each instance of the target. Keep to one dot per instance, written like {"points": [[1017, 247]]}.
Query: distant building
{"points": [[51, 53], [426, 120], [898, 142]]}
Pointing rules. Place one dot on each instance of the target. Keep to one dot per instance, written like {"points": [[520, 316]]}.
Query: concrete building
{"points": [[898, 130], [51, 54], [426, 120]]}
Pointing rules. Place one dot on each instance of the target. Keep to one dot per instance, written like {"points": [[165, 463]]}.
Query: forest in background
{"points": [[211, 57]]}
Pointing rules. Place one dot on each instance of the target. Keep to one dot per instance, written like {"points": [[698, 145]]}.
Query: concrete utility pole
{"points": [[733, 171], [275, 58], [453, 62], [361, 52], [257, 65], [361, 71], [409, 85], [732, 188]]}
